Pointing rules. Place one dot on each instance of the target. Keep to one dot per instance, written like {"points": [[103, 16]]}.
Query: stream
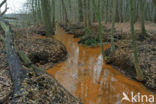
{"points": [[88, 78]]}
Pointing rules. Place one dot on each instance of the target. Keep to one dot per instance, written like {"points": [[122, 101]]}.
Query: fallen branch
{"points": [[27, 62], [18, 74], [10, 18]]}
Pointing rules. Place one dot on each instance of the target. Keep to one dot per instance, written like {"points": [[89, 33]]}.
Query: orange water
{"points": [[85, 75]]}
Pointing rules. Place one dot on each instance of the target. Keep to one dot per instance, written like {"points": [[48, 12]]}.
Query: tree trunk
{"points": [[45, 5], [53, 16], [142, 10], [18, 74], [80, 11], [106, 11], [85, 12], [98, 15], [154, 1], [113, 28], [65, 12], [139, 72]]}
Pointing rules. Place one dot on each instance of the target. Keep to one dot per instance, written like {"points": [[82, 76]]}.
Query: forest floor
{"points": [[123, 55], [6, 85], [38, 87], [46, 52], [43, 51]]}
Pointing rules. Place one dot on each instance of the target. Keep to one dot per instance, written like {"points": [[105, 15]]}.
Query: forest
{"points": [[78, 52]]}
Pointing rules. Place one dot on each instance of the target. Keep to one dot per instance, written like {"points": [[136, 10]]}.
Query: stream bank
{"points": [[83, 71], [43, 51], [37, 87], [87, 77], [123, 58]]}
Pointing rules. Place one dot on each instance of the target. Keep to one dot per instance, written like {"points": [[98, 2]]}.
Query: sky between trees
{"points": [[15, 6]]}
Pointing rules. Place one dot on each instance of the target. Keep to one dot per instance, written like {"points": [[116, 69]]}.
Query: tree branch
{"points": [[2, 3], [1, 14]]}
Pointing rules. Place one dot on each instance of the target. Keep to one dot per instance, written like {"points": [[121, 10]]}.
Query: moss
{"points": [[88, 41], [91, 42]]}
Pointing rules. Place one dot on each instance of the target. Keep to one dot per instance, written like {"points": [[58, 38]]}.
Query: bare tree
{"points": [[65, 12], [45, 6], [4, 2], [139, 72]]}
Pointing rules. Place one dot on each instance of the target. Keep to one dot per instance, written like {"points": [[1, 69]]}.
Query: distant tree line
{"points": [[76, 11]]}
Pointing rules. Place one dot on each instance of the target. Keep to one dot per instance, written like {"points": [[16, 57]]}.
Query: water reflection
{"points": [[97, 69], [86, 76]]}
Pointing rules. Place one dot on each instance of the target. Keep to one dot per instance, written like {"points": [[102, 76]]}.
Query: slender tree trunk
{"points": [[98, 15], [113, 28], [33, 10], [137, 67], [65, 13], [117, 17], [85, 12], [53, 4], [88, 10], [142, 10], [70, 8], [39, 11], [154, 1], [47, 16], [106, 11], [80, 11]]}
